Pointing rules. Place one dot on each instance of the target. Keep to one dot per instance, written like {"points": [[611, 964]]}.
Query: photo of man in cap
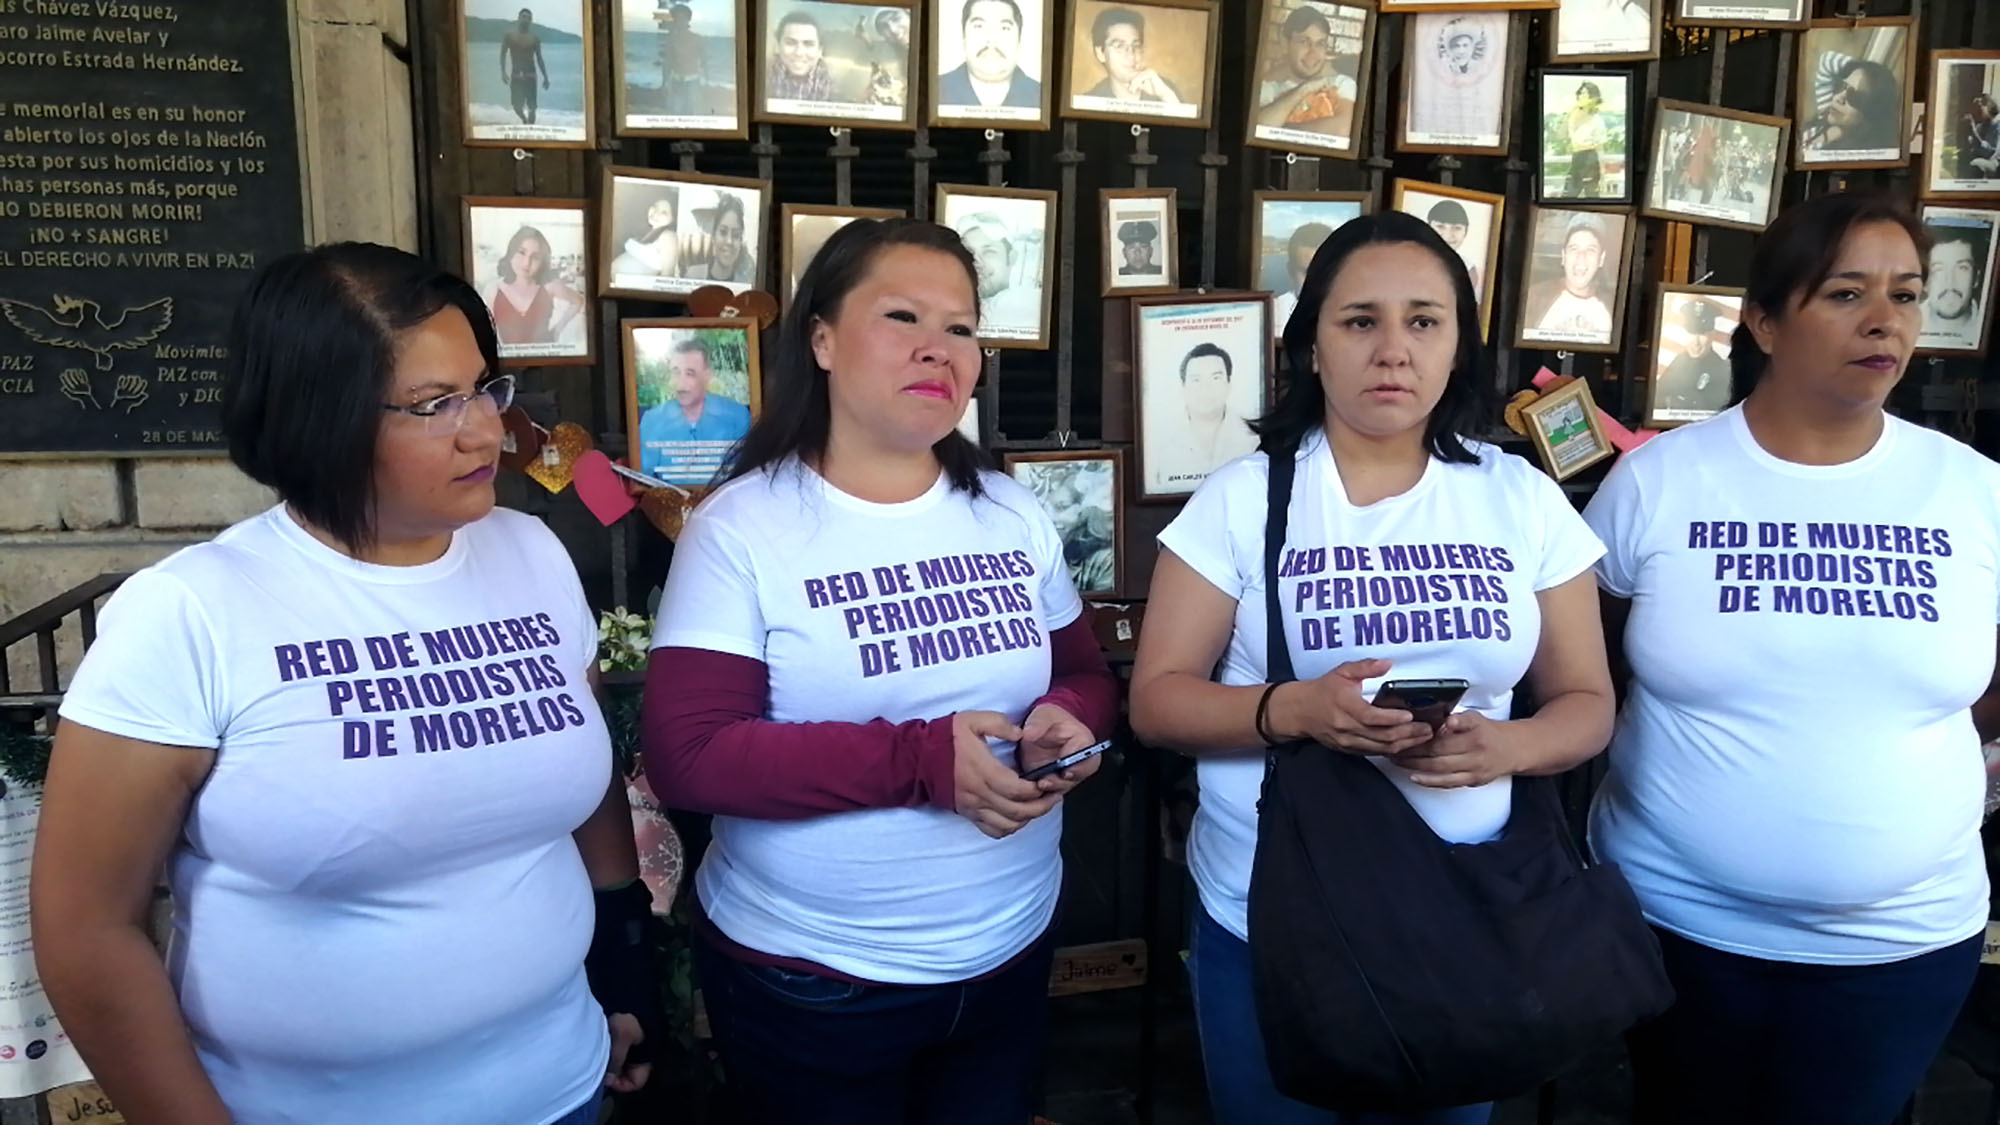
{"points": [[1008, 309], [1695, 383], [1574, 307], [991, 75], [1138, 238]]}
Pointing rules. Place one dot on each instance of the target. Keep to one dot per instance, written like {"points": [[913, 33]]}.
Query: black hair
{"points": [[965, 15], [1880, 106], [1590, 88], [798, 409], [1796, 254], [1301, 405], [506, 266], [693, 343], [1450, 212], [1306, 236], [312, 356], [1304, 19], [1200, 350], [1100, 28], [726, 202], [1976, 239], [795, 16]]}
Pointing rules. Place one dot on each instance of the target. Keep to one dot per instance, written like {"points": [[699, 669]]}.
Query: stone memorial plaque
{"points": [[149, 165]]}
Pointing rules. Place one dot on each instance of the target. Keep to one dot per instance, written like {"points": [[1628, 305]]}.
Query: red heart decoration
{"points": [[601, 489]]}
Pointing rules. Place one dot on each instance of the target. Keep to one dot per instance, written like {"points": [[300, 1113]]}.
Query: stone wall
{"points": [[65, 522]]}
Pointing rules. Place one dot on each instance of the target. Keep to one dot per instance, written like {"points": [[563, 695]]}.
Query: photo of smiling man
{"points": [[991, 58], [828, 62]]}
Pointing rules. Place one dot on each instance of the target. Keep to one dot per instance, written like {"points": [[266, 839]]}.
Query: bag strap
{"points": [[1277, 519]]}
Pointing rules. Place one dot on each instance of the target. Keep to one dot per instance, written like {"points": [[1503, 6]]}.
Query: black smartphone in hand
{"points": [[1429, 701], [1074, 758]]}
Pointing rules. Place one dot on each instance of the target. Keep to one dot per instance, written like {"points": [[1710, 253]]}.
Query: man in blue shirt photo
{"points": [[683, 439]]}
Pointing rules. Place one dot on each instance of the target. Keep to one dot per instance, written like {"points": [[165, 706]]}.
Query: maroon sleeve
{"points": [[708, 748], [1080, 682]]}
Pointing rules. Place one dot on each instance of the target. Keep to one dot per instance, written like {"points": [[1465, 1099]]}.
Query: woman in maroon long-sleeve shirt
{"points": [[858, 629]]}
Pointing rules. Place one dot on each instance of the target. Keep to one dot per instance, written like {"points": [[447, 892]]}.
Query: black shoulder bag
{"points": [[1395, 972]]}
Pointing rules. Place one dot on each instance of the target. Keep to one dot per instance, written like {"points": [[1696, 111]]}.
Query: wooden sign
{"points": [[1103, 967], [82, 1102]]}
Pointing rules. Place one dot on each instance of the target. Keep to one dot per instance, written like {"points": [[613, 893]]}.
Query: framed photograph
{"points": [[1202, 371], [1605, 31], [1853, 94], [1083, 491], [990, 63], [525, 73], [1956, 319], [1575, 279], [1469, 222], [1455, 83], [530, 261], [804, 228], [1714, 165], [1961, 145], [1314, 60], [1567, 436], [1011, 233], [692, 386], [667, 234], [677, 73], [1585, 152], [1286, 228], [1142, 241], [1692, 326], [1766, 14], [1151, 62], [1466, 5], [838, 62]]}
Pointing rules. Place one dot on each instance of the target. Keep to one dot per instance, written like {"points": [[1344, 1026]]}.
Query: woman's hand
{"points": [[1330, 710], [1470, 749], [625, 1034], [990, 795], [1050, 733]]}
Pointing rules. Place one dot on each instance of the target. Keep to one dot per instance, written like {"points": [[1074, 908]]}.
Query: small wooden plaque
{"points": [[82, 1102], [1103, 967], [1989, 953]]}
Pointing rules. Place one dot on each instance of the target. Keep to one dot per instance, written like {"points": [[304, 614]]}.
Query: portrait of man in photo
{"points": [[684, 437], [991, 75], [1955, 294], [797, 68], [1695, 383], [520, 55], [1575, 306], [1216, 432], [1314, 89], [1604, 27], [527, 74], [1118, 39], [1137, 239], [1011, 303]]}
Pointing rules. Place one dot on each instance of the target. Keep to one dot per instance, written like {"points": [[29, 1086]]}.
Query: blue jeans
{"points": [[1240, 1090], [585, 1114], [1777, 1042], [801, 1049]]}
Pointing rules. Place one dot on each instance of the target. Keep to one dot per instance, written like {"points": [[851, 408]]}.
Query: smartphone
{"points": [[1430, 701], [1066, 761]]}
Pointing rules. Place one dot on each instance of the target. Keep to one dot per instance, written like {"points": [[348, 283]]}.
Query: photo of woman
{"points": [[1853, 98], [1586, 136], [526, 258]]}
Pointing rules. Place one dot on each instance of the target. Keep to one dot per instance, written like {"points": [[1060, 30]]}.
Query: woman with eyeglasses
{"points": [[358, 731]]}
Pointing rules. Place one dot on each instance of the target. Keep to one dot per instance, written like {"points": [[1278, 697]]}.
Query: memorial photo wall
{"points": [[1215, 147]]}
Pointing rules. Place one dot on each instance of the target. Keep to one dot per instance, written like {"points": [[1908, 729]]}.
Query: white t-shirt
{"points": [[1795, 775], [863, 611], [379, 913], [1441, 580]]}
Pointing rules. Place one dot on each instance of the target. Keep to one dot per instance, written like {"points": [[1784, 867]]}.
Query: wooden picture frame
{"points": [[664, 122], [1269, 265], [1699, 385], [1467, 5], [1948, 104], [1657, 202], [489, 271], [1553, 88], [1490, 223], [1201, 362], [1113, 220], [1338, 16], [1964, 244], [1001, 316], [855, 75], [652, 275], [522, 134], [1564, 426], [1090, 576], [1444, 63], [791, 263], [1037, 19], [1541, 299], [1078, 47], [705, 457], [1895, 153], [1605, 50], [1707, 13]]}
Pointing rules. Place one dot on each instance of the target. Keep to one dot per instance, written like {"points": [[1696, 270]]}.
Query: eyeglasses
{"points": [[445, 415]]}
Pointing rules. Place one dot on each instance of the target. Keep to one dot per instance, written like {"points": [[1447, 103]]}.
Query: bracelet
{"points": [[1264, 715]]}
